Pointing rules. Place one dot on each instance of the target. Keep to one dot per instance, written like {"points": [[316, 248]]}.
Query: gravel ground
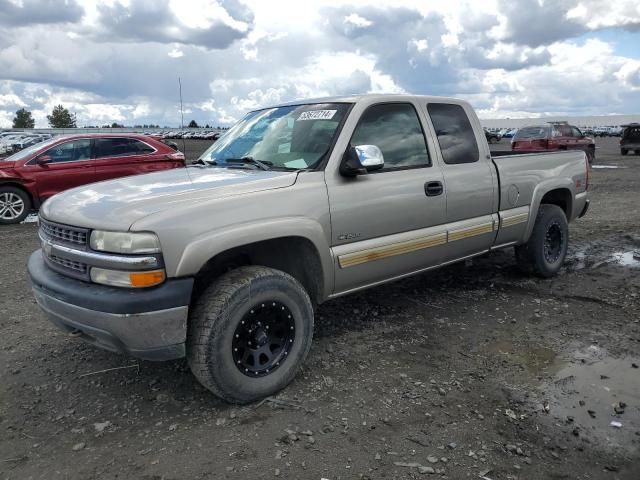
{"points": [[473, 371]]}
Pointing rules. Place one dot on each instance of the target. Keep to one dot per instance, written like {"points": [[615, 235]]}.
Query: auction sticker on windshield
{"points": [[317, 115]]}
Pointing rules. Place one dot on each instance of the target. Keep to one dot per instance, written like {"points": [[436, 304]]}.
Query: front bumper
{"points": [[146, 323]]}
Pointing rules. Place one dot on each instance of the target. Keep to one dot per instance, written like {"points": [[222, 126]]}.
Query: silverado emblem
{"points": [[349, 236]]}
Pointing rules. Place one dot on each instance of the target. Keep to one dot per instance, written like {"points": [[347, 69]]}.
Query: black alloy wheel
{"points": [[263, 338], [553, 242]]}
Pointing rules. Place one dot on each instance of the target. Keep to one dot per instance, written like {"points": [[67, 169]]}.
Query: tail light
{"points": [[588, 173]]}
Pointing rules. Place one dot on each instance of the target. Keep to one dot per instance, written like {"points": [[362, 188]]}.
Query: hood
{"points": [[117, 204]]}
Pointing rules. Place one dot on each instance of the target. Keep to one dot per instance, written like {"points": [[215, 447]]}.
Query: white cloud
{"points": [[357, 21], [118, 60]]}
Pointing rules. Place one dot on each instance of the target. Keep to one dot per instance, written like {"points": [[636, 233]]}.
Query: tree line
{"points": [[60, 117]]}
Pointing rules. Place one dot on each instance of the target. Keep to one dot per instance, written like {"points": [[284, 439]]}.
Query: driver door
{"points": [[69, 166], [390, 222]]}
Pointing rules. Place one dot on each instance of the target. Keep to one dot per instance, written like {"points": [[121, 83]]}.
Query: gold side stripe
{"points": [[515, 219], [356, 258], [470, 231]]}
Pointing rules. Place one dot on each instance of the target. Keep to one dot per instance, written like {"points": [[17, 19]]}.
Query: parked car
{"points": [[29, 177], [509, 132], [492, 137], [553, 136], [224, 262], [601, 131], [630, 140], [7, 142]]}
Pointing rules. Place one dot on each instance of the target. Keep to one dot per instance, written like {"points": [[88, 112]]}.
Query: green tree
{"points": [[23, 119], [193, 124], [61, 118]]}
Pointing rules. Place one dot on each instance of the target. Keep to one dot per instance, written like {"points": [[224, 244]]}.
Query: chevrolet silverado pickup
{"points": [[224, 262]]}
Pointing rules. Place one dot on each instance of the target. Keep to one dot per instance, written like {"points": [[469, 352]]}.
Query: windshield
{"points": [[24, 153], [293, 137]]}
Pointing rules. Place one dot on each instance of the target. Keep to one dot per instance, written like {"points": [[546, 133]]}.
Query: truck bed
{"points": [[527, 173]]}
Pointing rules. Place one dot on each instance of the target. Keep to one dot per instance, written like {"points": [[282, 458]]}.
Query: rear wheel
{"points": [[15, 205], [544, 253], [249, 333]]}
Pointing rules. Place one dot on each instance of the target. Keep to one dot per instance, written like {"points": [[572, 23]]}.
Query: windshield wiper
{"points": [[204, 163], [263, 165]]}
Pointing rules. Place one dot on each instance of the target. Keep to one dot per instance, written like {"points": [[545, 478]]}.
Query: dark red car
{"points": [[553, 137], [32, 175]]}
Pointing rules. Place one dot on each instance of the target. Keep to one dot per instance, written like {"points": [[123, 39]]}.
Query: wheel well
{"points": [[21, 187], [296, 256], [560, 197]]}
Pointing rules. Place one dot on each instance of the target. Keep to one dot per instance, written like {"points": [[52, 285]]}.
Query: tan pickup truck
{"points": [[224, 262]]}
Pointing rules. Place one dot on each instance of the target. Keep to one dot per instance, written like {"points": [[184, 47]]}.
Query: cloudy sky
{"points": [[119, 60]]}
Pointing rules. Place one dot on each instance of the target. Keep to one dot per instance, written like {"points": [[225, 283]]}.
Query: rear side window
{"points": [[527, 133], [395, 129], [119, 147], [632, 133], [455, 134]]}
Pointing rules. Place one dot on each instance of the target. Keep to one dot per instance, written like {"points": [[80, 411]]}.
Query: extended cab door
{"points": [[469, 176], [120, 157], [389, 222], [68, 165]]}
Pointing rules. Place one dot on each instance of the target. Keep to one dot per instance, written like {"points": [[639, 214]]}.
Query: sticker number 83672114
{"points": [[317, 115]]}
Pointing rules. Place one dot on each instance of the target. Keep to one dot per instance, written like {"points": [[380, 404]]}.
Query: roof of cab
{"points": [[370, 97]]}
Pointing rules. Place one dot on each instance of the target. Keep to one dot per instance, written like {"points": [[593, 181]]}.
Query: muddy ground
{"points": [[474, 371]]}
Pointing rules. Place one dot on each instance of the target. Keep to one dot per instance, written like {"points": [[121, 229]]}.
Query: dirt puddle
{"points": [[621, 251], [598, 397]]}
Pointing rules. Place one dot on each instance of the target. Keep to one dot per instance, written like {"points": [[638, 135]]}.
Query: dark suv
{"points": [[630, 139], [553, 137]]}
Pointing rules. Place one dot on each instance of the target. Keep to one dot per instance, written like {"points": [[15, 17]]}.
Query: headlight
{"points": [[117, 278], [124, 242]]}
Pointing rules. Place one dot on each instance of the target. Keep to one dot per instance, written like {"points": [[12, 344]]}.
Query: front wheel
{"points": [[15, 205], [249, 333], [623, 151], [544, 253], [591, 155]]}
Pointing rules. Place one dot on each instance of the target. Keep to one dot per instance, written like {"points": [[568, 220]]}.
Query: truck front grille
{"points": [[64, 233], [67, 264]]}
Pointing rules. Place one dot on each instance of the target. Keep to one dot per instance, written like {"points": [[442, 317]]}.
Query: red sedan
{"points": [[34, 174]]}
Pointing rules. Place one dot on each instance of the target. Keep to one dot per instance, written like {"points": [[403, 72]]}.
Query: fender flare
{"points": [[540, 191], [206, 246]]}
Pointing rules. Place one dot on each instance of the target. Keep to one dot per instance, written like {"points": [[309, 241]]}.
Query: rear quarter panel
{"points": [[524, 181]]}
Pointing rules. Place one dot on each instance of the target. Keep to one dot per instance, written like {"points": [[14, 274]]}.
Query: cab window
{"points": [[455, 134], [395, 129]]}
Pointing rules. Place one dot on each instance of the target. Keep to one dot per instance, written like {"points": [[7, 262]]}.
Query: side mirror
{"points": [[361, 159], [43, 159]]}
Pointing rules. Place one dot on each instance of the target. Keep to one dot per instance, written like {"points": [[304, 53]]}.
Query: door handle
{"points": [[432, 189]]}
